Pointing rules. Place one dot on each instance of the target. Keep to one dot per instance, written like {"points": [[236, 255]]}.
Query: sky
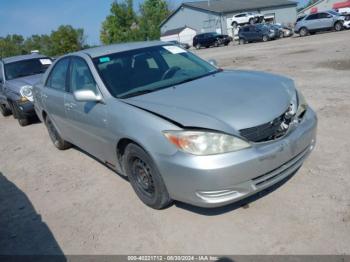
{"points": [[27, 17]]}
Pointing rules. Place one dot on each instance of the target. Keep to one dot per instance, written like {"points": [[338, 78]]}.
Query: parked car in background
{"points": [[310, 24], [283, 31], [246, 18], [176, 126], [346, 24], [17, 76], [183, 45], [211, 39], [258, 32]]}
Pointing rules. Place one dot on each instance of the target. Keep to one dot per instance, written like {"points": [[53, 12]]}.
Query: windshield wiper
{"points": [[138, 93]]}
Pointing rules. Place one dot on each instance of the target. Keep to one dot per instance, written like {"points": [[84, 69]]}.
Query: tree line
{"points": [[122, 24]]}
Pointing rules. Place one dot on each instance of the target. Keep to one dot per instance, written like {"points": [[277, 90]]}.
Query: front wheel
{"points": [[242, 41], [145, 178], [4, 110], [56, 138], [198, 46], [265, 38], [338, 26]]}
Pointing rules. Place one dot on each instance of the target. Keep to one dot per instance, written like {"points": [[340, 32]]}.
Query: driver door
{"points": [[87, 120]]}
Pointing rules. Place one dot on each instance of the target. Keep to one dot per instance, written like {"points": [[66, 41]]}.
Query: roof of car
{"points": [[116, 48], [21, 58]]}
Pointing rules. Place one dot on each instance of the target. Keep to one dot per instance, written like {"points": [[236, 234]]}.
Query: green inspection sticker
{"points": [[104, 59]]}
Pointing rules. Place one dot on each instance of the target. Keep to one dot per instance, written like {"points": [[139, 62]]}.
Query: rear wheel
{"points": [[198, 46], [145, 178], [338, 26], [251, 21], [242, 41], [4, 110], [303, 32], [281, 34], [265, 38], [234, 24], [56, 138]]}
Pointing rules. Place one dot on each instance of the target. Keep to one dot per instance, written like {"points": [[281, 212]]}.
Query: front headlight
{"points": [[27, 93], [298, 104], [302, 104], [205, 143]]}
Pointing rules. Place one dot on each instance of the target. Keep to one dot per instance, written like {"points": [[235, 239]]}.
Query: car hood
{"points": [[22, 81], [226, 101]]}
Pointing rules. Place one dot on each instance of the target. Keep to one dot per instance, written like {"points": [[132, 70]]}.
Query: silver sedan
{"points": [[177, 126]]}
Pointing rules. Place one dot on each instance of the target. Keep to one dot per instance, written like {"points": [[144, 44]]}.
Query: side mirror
{"points": [[213, 62], [86, 96]]}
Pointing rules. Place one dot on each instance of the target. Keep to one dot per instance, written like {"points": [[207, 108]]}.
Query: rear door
{"points": [[87, 121], [52, 95]]}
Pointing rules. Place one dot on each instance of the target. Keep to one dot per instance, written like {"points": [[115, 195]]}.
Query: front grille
{"points": [[265, 132]]}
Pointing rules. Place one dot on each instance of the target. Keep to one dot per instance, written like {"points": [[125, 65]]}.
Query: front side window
{"points": [[26, 67], [81, 77], [1, 77], [324, 15], [146, 70], [58, 75]]}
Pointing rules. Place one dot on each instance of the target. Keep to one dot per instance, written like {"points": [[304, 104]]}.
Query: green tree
{"points": [[153, 12], [65, 39], [121, 24], [11, 45], [38, 42]]}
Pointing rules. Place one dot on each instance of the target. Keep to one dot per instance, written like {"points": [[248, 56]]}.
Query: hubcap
{"points": [[143, 177]]}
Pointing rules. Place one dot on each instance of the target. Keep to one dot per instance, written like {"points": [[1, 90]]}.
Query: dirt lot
{"points": [[54, 202]]}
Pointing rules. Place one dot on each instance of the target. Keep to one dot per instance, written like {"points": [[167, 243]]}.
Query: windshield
{"points": [[26, 67], [334, 13], [140, 71]]}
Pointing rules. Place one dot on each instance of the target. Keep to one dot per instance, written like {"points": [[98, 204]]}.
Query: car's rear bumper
{"points": [[212, 181]]}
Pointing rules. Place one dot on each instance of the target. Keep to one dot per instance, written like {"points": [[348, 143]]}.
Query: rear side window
{"points": [[81, 77], [312, 17], [58, 75]]}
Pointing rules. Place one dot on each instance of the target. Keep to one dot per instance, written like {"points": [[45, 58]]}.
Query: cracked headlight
{"points": [[26, 93], [205, 143], [298, 104]]}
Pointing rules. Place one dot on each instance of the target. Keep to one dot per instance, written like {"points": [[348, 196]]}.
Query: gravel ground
{"points": [[66, 202]]}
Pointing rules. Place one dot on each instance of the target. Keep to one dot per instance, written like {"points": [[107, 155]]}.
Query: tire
{"points": [[145, 178], [198, 46], [4, 110], [242, 41], [251, 21], [234, 24], [22, 120], [55, 137], [216, 44], [303, 32], [265, 38], [281, 34], [338, 26]]}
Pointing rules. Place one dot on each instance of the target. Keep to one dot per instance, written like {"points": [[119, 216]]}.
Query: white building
{"points": [[183, 35]]}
